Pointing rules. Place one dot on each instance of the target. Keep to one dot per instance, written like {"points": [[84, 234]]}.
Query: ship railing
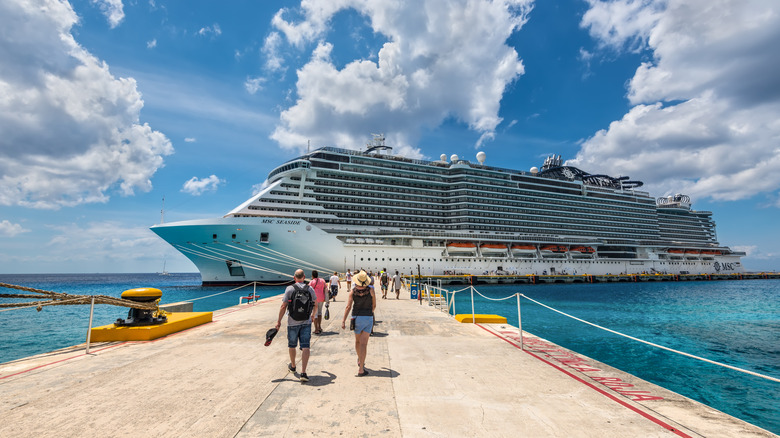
{"points": [[517, 296]]}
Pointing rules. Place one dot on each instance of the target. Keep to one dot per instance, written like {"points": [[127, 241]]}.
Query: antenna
{"points": [[162, 211], [308, 146]]}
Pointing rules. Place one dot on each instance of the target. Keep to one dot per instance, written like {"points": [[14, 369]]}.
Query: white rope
{"points": [[774, 379], [493, 299], [220, 293]]}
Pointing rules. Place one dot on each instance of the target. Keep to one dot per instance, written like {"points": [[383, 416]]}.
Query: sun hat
{"points": [[361, 279]]}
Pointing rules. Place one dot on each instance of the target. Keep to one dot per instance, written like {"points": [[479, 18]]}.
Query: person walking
{"points": [[383, 281], [362, 302], [335, 282], [299, 304], [348, 277], [318, 285], [397, 284]]}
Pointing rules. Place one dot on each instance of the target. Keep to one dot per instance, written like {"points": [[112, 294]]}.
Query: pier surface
{"points": [[429, 376]]}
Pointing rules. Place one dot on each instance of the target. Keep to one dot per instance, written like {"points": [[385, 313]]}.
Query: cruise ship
{"points": [[335, 209]]}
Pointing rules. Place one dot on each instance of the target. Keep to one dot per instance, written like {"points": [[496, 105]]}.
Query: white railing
{"points": [[450, 309]]}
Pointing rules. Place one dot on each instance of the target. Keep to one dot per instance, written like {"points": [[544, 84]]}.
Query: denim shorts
{"points": [[295, 332], [363, 324]]}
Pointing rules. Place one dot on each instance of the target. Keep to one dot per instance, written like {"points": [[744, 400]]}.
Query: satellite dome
{"points": [[534, 170], [443, 157], [481, 157], [454, 158]]}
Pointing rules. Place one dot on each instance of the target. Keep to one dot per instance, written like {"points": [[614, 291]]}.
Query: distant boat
{"points": [[164, 272]]}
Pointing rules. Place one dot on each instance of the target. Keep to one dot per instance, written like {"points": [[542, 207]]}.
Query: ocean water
{"points": [[733, 322]]}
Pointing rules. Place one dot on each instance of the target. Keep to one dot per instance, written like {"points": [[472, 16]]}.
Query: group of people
{"points": [[304, 304]]}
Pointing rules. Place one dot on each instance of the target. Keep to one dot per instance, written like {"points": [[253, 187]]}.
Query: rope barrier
{"points": [[493, 299], [224, 292], [752, 373]]}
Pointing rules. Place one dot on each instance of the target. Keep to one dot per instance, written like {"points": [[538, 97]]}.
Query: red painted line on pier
{"points": [[58, 361], [594, 387]]}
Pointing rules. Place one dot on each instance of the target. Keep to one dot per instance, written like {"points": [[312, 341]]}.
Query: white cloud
{"points": [[438, 63], [197, 187], [253, 85], [706, 115], [151, 44], [71, 130], [112, 9], [213, 29], [271, 46], [190, 140], [10, 229]]}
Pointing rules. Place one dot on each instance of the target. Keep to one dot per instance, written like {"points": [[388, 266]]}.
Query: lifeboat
{"points": [[710, 252], [582, 249], [492, 249], [675, 251], [461, 248], [523, 250], [553, 250], [691, 254]]}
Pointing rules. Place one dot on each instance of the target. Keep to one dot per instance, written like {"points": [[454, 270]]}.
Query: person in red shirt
{"points": [[318, 285]]}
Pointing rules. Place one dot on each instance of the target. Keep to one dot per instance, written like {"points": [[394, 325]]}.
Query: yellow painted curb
{"points": [[487, 319], [176, 322]]}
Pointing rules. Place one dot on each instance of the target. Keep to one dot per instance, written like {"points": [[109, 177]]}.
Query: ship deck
{"points": [[429, 376]]}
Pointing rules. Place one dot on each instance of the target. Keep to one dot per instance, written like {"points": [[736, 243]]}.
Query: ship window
{"points": [[234, 236], [264, 237], [235, 268], [214, 236]]}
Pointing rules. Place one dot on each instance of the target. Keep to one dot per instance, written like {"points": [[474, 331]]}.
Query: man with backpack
{"points": [[299, 304], [384, 280]]}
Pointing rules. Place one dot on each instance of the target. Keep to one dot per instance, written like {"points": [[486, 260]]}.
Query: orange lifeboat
{"points": [[582, 249], [553, 248], [675, 251], [461, 248], [492, 248]]}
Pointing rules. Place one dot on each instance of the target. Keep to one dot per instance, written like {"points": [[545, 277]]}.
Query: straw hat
{"points": [[361, 279]]}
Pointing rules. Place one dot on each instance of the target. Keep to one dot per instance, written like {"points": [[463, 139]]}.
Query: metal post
{"points": [[473, 317], [89, 327], [254, 291], [519, 322], [453, 305]]}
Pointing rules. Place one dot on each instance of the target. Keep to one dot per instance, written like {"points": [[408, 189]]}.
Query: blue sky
{"points": [[109, 106]]}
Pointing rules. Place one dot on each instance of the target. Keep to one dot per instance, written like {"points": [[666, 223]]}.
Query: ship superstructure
{"points": [[334, 209]]}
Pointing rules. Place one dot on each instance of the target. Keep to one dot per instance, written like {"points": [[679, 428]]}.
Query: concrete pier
{"points": [[429, 376]]}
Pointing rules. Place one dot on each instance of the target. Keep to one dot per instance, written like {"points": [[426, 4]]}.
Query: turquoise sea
{"points": [[733, 322]]}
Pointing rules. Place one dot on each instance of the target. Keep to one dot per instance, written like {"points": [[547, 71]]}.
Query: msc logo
{"points": [[724, 266]]}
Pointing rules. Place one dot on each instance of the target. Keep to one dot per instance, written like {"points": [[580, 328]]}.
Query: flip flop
{"points": [[269, 336], [363, 374]]}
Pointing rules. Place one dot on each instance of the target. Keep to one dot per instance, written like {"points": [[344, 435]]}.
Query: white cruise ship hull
{"points": [[237, 250]]}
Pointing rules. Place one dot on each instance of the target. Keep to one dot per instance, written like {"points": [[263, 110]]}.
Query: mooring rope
{"points": [[752, 373], [57, 298]]}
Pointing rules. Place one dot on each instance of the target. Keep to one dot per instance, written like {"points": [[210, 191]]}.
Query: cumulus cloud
{"points": [[706, 109], [10, 229], [196, 186], [71, 130], [112, 9], [437, 63], [151, 44]]}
